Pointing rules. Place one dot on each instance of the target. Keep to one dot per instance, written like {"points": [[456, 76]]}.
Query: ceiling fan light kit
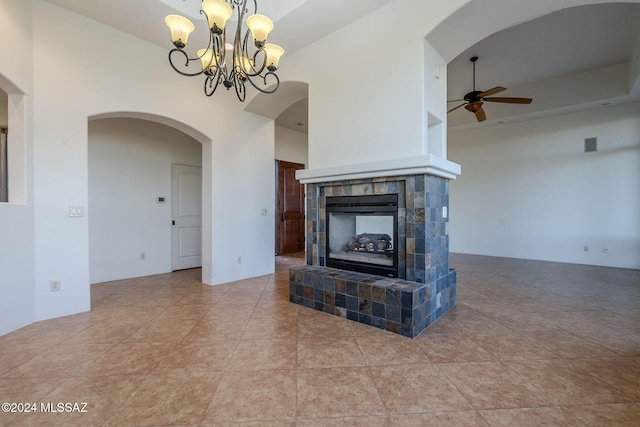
{"points": [[252, 57], [473, 100]]}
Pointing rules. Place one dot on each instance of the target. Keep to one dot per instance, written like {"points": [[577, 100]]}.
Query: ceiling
{"points": [[297, 24], [555, 59], [570, 60], [564, 61]]}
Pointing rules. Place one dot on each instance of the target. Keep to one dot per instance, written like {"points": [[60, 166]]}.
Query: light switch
{"points": [[444, 212]]}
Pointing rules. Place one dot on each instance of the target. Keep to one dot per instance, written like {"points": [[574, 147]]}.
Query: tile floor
{"points": [[529, 344]]}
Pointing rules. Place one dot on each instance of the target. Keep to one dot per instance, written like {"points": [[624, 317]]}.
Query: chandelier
{"points": [[251, 56]]}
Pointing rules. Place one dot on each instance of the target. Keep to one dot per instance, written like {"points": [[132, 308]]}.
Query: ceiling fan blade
{"points": [[455, 108], [496, 89], [480, 115], [457, 100], [510, 100]]}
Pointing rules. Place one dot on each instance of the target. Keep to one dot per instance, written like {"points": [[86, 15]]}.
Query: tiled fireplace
{"points": [[424, 287]]}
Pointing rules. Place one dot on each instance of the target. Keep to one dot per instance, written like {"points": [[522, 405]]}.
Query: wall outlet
{"points": [[76, 211], [586, 248], [605, 250], [54, 285], [143, 256]]}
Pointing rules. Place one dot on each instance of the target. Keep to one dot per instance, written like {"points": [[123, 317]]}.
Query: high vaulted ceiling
{"points": [[574, 59]]}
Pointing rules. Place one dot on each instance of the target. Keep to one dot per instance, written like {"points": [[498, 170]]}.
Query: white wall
{"points": [[17, 304], [291, 146], [244, 183], [108, 72], [367, 100], [528, 190], [129, 167]]}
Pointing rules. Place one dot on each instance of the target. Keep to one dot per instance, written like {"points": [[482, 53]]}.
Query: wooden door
{"points": [[290, 216]]}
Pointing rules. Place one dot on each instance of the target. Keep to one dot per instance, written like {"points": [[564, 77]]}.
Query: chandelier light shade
{"points": [[250, 57], [260, 27], [217, 12], [206, 56], [180, 28], [274, 52]]}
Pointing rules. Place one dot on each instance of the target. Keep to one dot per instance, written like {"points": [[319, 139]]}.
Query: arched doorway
{"points": [[131, 162]]}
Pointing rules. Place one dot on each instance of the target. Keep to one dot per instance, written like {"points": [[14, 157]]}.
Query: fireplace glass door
{"points": [[362, 233]]}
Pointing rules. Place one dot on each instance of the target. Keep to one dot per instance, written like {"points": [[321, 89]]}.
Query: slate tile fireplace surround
{"points": [[425, 286]]}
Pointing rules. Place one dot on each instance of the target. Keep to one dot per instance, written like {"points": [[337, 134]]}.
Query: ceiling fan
{"points": [[473, 100]]}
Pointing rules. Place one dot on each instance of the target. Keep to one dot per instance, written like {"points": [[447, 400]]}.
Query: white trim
{"points": [[426, 163]]}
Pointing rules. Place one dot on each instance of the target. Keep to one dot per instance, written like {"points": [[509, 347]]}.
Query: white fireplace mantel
{"points": [[426, 163]]}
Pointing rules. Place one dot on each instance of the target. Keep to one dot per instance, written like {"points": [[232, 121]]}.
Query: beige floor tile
{"points": [[416, 388], [568, 351], [261, 328], [264, 354], [452, 348], [439, 419], [530, 417], [198, 356], [566, 383], [240, 298], [516, 321], [329, 353], [185, 309], [337, 392], [134, 315], [254, 396], [24, 390], [492, 385], [380, 421], [624, 343], [168, 399], [252, 424], [225, 312], [42, 333], [321, 325], [510, 346], [617, 414], [210, 329], [386, 348], [173, 330], [621, 373], [61, 361], [566, 345], [102, 396], [467, 323], [100, 333], [360, 329], [130, 358], [282, 309], [12, 356]]}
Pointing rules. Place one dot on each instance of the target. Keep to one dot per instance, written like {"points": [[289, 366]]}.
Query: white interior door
{"points": [[186, 208]]}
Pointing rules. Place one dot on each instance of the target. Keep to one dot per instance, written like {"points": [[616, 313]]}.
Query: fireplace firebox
{"points": [[362, 232]]}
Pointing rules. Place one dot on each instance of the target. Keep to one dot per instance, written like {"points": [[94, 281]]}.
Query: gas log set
{"points": [[370, 243]]}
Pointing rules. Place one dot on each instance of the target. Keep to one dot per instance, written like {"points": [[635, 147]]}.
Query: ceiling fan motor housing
{"points": [[472, 96]]}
